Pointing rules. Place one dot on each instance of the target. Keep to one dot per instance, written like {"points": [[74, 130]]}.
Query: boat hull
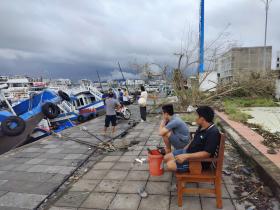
{"points": [[11, 142]]}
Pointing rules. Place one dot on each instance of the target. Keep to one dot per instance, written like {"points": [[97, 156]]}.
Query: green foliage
{"points": [[235, 113], [250, 102], [232, 106]]}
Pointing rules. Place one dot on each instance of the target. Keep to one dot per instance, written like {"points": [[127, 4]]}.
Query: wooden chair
{"points": [[197, 175]]}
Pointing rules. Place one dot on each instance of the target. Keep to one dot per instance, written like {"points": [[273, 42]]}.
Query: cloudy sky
{"points": [[74, 38]]}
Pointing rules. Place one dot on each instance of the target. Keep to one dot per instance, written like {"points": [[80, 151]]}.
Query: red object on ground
{"points": [[155, 163]]}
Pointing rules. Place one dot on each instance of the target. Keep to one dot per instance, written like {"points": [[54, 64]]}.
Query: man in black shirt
{"points": [[203, 145]]}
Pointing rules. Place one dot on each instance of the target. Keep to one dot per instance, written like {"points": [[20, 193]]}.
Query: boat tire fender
{"points": [[6, 126], [50, 110], [64, 95]]}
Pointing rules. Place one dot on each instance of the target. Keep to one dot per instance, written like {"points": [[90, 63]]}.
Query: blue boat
{"points": [[89, 103], [18, 121]]}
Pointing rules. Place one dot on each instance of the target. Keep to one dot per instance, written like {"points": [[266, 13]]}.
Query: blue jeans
{"points": [[181, 167]]}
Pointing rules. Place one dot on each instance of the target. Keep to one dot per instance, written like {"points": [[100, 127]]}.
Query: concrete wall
{"points": [[240, 63]]}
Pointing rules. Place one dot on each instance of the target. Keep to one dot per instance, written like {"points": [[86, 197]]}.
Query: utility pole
{"points": [[201, 38], [267, 4], [122, 75]]}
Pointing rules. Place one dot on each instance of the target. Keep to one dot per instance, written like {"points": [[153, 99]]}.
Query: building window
{"points": [[278, 59], [278, 65]]}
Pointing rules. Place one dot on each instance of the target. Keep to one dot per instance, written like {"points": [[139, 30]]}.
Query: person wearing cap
{"points": [[203, 145], [173, 129]]}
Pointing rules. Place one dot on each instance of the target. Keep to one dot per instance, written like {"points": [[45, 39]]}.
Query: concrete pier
{"points": [[68, 173]]}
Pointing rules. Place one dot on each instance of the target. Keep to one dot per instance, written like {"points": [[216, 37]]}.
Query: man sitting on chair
{"points": [[203, 145], [173, 129]]}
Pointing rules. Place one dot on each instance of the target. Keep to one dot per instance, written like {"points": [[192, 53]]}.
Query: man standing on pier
{"points": [[173, 129], [111, 116]]}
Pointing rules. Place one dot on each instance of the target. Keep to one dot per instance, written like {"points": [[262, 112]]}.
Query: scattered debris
{"points": [[246, 171], [190, 109], [142, 160], [142, 192], [271, 151], [249, 189], [226, 172], [271, 140], [58, 135]]}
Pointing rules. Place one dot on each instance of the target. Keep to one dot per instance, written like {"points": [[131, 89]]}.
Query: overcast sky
{"points": [[74, 38]]}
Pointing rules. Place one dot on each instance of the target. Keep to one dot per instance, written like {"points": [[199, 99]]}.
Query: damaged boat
{"points": [[18, 121]]}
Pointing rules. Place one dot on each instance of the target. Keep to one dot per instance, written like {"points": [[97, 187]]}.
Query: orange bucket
{"points": [[155, 163]]}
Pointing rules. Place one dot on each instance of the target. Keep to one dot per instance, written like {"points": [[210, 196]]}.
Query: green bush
{"points": [[235, 113], [251, 102]]}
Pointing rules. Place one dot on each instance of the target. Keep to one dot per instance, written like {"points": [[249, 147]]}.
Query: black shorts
{"points": [[110, 119]]}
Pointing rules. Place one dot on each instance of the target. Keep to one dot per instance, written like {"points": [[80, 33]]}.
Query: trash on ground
{"points": [[142, 160], [142, 192]]}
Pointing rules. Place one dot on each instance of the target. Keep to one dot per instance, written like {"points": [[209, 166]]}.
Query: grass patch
{"points": [[232, 107], [234, 112], [249, 102]]}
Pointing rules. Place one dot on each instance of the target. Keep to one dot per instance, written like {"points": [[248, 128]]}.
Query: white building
{"points": [[240, 63]]}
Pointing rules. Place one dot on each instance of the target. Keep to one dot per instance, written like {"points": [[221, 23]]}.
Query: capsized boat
{"points": [[18, 121]]}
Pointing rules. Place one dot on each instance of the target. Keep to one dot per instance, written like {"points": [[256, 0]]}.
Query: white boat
{"points": [[87, 99], [18, 88]]}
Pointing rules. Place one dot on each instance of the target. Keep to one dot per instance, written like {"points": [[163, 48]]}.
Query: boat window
{"points": [[78, 103], [82, 101], [86, 101], [92, 99]]}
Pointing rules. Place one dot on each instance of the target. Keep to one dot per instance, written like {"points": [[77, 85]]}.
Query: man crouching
{"points": [[173, 129], [203, 145]]}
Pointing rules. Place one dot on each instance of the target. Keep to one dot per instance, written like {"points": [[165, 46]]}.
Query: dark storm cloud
{"points": [[69, 38]]}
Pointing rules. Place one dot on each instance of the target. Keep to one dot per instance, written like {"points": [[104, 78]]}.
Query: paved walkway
{"points": [[254, 138], [30, 173], [112, 183]]}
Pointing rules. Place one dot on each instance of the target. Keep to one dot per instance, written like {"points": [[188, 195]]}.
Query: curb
{"points": [[267, 170]]}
